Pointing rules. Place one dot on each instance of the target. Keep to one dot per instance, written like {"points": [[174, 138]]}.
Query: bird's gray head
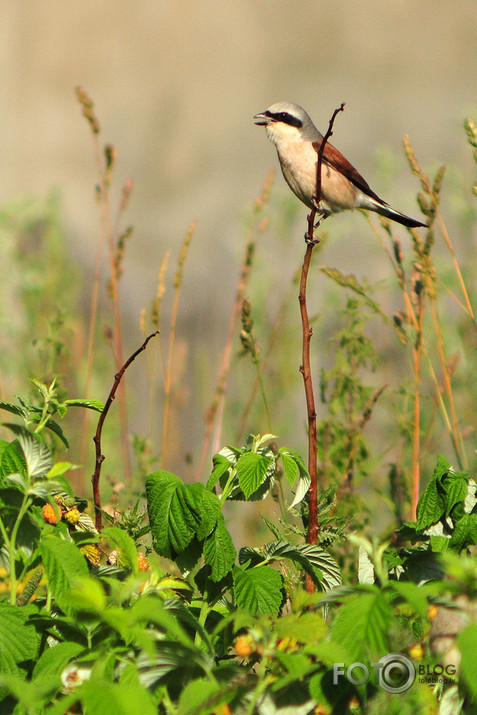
{"points": [[286, 121]]}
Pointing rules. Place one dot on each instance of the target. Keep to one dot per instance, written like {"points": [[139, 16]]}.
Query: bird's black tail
{"points": [[386, 210]]}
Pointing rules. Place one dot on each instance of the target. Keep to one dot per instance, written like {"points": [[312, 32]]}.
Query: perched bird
{"points": [[342, 188]]}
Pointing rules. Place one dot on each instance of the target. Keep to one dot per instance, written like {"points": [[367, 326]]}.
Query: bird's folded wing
{"points": [[337, 161]]}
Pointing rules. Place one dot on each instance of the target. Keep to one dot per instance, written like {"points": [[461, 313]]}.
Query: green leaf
{"points": [[11, 461], [466, 641], [258, 590], [64, 564], [95, 405], [124, 543], [59, 469], [209, 509], [431, 505], [252, 469], [221, 466], [219, 551], [439, 544], [465, 533], [315, 561], [18, 641], [14, 409], [37, 454], [362, 625], [173, 513], [56, 429], [350, 281], [41, 387], [54, 659], [456, 486], [103, 698], [328, 570], [290, 467]]}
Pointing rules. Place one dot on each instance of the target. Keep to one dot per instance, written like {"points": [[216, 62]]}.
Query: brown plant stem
{"points": [[97, 437], [305, 368]]}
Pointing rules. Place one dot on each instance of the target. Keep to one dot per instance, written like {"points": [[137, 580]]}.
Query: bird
{"points": [[297, 142]]}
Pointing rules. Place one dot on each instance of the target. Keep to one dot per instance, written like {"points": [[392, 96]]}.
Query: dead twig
{"points": [[97, 437]]}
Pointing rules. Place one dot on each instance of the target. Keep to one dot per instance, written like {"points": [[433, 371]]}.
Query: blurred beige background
{"points": [[175, 85]]}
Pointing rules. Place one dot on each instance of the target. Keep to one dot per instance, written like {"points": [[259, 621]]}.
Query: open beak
{"points": [[261, 119]]}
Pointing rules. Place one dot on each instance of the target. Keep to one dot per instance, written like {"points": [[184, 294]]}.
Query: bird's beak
{"points": [[261, 119]]}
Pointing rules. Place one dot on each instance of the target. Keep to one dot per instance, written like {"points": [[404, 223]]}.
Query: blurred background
{"points": [[175, 86]]}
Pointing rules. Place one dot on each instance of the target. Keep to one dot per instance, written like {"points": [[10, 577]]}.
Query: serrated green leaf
{"points": [[431, 505], [95, 405], [465, 533], [290, 467], [18, 641], [219, 551], [456, 487], [252, 469], [173, 513], [362, 625], [12, 461], [64, 564], [37, 454], [315, 561], [258, 590], [209, 510], [41, 387], [14, 409], [124, 544]]}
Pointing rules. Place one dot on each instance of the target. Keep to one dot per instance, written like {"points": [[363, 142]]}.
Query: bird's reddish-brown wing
{"points": [[336, 160]]}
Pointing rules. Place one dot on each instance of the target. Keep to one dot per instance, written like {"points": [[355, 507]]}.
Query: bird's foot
{"points": [[311, 240]]}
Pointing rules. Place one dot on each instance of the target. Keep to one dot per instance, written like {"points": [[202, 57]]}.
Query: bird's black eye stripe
{"points": [[285, 117]]}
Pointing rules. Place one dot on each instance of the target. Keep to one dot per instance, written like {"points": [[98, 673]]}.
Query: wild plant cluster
{"points": [[140, 599]]}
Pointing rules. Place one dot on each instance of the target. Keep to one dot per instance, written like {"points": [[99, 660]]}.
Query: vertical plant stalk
{"points": [[305, 367], [417, 350], [105, 166], [172, 335], [10, 542], [97, 437]]}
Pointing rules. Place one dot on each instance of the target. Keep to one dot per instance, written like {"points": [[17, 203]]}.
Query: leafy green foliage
{"points": [[258, 590], [63, 564]]}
